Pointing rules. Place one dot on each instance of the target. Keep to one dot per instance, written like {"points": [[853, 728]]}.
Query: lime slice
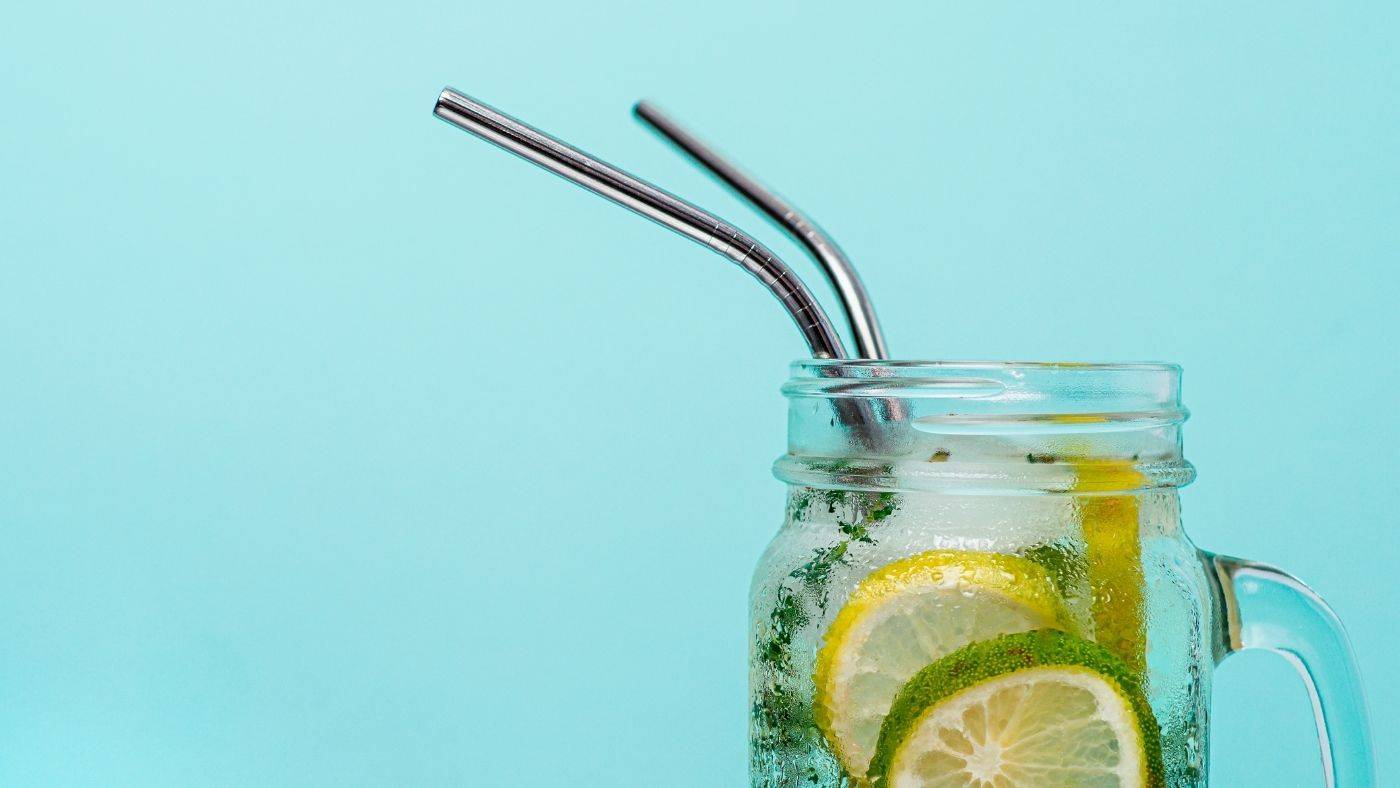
{"points": [[908, 614], [1044, 709]]}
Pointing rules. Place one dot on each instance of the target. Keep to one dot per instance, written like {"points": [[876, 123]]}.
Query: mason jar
{"points": [[982, 579]]}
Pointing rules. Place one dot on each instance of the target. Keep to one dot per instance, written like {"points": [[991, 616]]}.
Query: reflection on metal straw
{"points": [[643, 198], [870, 342]]}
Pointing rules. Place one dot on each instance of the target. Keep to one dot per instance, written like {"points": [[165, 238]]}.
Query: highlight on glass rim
{"points": [[982, 577]]}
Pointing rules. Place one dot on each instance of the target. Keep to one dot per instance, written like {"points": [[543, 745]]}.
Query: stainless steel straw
{"points": [[860, 313], [651, 202]]}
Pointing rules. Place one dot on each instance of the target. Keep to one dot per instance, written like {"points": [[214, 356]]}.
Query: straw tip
{"points": [[443, 97], [643, 108]]}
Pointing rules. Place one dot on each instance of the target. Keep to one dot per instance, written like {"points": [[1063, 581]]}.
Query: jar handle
{"points": [[1261, 607]]}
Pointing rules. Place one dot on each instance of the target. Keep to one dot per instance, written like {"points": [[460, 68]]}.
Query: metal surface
{"points": [[860, 313], [653, 203]]}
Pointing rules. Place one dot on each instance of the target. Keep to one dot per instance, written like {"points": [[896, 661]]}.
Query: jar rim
{"points": [[980, 424], [830, 364], [1007, 386]]}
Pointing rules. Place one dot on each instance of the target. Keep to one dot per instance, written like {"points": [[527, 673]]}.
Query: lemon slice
{"points": [[1111, 526], [1043, 709], [908, 614]]}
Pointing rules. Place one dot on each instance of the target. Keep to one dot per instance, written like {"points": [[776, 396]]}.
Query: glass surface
{"points": [[982, 579]]}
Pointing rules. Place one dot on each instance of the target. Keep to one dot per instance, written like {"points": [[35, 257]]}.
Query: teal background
{"points": [[338, 448]]}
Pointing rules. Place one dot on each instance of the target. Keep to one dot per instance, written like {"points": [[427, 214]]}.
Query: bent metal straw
{"points": [[860, 313], [651, 202]]}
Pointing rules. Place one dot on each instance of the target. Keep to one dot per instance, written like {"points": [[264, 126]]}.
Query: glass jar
{"points": [[982, 579]]}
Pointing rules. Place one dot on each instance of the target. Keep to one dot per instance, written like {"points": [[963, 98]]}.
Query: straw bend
{"points": [[860, 312], [651, 202]]}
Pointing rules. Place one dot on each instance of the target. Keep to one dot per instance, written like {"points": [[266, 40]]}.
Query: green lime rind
{"points": [[990, 659]]}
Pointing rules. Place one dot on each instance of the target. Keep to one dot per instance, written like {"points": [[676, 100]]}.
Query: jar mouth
{"points": [[1027, 389], [1020, 424], [1160, 366]]}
